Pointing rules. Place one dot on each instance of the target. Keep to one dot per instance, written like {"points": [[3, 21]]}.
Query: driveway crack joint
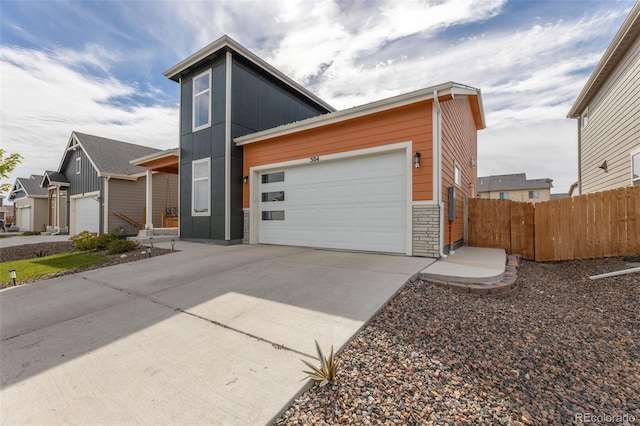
{"points": [[261, 339]]}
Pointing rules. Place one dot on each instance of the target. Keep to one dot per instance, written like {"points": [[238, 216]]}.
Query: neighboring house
{"points": [[608, 114], [559, 196], [373, 177], [30, 203], [56, 185], [225, 92], [105, 191], [514, 187], [6, 212]]}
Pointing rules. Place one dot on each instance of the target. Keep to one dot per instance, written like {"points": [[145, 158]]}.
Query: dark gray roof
{"points": [[111, 156], [558, 196], [54, 177], [31, 185], [512, 182]]}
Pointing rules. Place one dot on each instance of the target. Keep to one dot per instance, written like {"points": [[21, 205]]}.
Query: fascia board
{"points": [[72, 138], [630, 27], [351, 113], [156, 156], [226, 41]]}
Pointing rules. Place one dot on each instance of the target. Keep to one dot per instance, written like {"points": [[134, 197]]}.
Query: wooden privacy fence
{"points": [[601, 224]]}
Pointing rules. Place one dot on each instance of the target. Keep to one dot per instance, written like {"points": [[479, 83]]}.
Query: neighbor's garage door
{"points": [[25, 219], [357, 204], [87, 212]]}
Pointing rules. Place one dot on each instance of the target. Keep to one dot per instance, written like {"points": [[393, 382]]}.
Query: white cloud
{"points": [[45, 97], [347, 52]]}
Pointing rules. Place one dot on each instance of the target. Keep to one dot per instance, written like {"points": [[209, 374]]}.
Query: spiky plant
{"points": [[327, 371]]}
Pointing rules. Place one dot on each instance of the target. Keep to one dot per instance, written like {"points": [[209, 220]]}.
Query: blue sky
{"points": [[96, 66]]}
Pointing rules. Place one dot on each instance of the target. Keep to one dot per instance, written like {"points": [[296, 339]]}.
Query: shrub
{"points": [[27, 233], [105, 240], [84, 241], [122, 246], [327, 371]]}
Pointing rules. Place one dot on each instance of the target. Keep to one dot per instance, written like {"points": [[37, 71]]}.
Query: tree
{"points": [[7, 165]]}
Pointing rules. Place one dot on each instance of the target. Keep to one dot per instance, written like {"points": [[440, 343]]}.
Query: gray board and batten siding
{"points": [[258, 101]]}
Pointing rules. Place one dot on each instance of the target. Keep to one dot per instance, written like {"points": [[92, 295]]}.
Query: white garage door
{"points": [[87, 212], [25, 219], [357, 204]]}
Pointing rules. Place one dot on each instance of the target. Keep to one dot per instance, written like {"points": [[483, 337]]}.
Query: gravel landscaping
{"points": [[564, 350], [29, 251]]}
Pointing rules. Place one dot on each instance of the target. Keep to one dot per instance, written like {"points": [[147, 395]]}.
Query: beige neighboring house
{"points": [[514, 187], [608, 114], [30, 202]]}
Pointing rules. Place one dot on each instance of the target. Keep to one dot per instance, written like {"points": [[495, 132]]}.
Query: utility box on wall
{"points": [[452, 203]]}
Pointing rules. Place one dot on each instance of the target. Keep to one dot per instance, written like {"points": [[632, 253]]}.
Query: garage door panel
{"points": [[87, 212], [357, 204]]}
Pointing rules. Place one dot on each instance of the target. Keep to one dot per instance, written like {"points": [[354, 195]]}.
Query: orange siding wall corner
{"points": [[459, 147]]}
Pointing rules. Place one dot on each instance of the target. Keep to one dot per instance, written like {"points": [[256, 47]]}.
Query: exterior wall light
{"points": [[416, 160], [245, 179], [13, 276]]}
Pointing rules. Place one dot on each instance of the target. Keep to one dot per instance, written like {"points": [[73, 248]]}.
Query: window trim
{"points": [[193, 187], [78, 165], [193, 101], [534, 194], [584, 118], [458, 169], [633, 153]]}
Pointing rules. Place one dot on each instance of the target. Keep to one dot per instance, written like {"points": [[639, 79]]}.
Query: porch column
{"points": [[57, 218], [149, 219]]}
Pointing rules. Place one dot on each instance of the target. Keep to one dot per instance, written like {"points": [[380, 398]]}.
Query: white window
{"points": [[200, 188], [534, 194], [202, 100], [504, 195], [635, 168], [457, 174], [584, 118], [78, 163]]}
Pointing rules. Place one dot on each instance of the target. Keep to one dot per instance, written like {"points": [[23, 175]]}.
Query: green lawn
{"points": [[36, 267]]}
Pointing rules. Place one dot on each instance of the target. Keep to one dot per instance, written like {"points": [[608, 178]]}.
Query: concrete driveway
{"points": [[208, 335]]}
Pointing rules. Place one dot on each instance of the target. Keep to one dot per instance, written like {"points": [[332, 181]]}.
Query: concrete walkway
{"points": [[19, 240], [208, 335], [469, 265]]}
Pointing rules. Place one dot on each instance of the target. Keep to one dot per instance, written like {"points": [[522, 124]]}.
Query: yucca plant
{"points": [[327, 371]]}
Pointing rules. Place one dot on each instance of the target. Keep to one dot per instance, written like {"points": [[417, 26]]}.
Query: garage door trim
{"points": [[73, 199], [254, 190]]}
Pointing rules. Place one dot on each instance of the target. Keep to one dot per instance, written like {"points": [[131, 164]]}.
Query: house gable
{"points": [[245, 95], [606, 112]]}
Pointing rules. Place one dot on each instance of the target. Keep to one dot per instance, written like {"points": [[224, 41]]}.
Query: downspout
{"points": [[437, 133]]}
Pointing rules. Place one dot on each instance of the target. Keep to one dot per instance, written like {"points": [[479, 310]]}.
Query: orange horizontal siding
{"points": [[410, 123], [459, 145]]}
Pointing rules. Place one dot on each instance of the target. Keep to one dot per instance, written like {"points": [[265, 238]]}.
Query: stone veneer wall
{"points": [[245, 229], [426, 233]]}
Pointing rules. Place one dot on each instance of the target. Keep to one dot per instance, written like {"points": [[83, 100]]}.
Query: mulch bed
{"points": [[564, 350], [29, 251]]}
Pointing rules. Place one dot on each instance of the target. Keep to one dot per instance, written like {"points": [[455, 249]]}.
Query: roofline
{"points": [[66, 151], [625, 36], [156, 156], [226, 41], [449, 88], [45, 175]]}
